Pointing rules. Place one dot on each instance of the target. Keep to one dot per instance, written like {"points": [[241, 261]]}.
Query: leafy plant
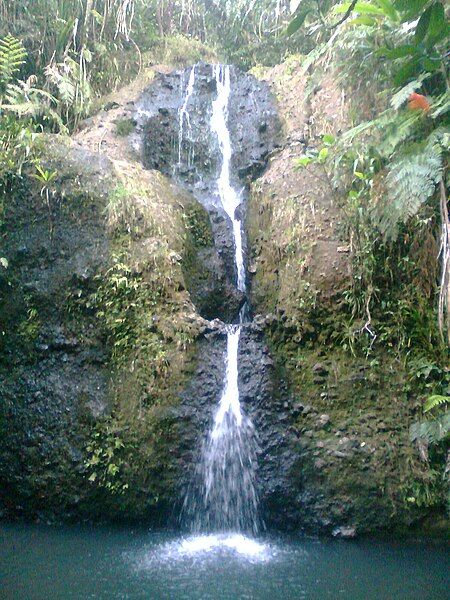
{"points": [[124, 127], [12, 57], [436, 401], [106, 455], [46, 178]]}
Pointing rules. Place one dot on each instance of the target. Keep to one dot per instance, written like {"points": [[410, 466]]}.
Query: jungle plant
{"points": [[124, 127], [46, 178], [12, 57], [394, 166], [106, 456]]}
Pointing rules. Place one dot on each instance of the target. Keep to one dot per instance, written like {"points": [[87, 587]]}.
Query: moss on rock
{"points": [[355, 463], [112, 330]]}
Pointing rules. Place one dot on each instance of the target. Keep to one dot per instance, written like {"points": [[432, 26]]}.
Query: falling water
{"points": [[229, 197], [222, 495], [183, 112]]}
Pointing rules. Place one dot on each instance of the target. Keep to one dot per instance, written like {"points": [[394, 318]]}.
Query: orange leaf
{"points": [[418, 102]]}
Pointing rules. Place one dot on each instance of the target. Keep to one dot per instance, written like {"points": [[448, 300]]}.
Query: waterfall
{"points": [[183, 112], [229, 197], [222, 495]]}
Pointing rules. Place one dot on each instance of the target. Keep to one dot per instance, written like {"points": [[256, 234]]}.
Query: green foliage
{"points": [[429, 492], [436, 401], [178, 50], [17, 146], [410, 181], [116, 304], [198, 224], [30, 327], [124, 127], [106, 458], [433, 432], [12, 57]]}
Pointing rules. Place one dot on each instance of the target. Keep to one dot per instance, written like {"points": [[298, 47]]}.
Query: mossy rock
{"points": [[102, 341]]}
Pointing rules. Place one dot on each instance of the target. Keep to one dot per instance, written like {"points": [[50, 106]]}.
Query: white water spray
{"points": [[229, 197]]}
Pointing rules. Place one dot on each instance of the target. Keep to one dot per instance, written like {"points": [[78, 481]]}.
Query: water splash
{"points": [[183, 113], [222, 496], [229, 197]]}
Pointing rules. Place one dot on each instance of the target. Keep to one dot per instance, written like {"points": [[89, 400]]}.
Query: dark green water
{"points": [[45, 563]]}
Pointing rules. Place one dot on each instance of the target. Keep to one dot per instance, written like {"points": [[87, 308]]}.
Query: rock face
{"points": [[98, 339], [109, 372], [110, 375], [353, 462]]}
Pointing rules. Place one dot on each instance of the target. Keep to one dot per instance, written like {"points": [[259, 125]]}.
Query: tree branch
{"points": [[346, 16]]}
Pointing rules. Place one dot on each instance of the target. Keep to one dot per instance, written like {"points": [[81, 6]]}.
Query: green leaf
{"points": [[297, 21], [303, 161], [97, 16], [364, 20], [406, 72], [422, 25], [400, 52], [389, 9], [323, 155], [93, 477], [441, 105], [363, 8], [402, 96], [329, 139], [437, 26], [411, 7], [434, 401]]}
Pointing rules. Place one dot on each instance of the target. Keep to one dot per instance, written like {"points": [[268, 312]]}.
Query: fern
{"points": [[24, 100], [432, 432], [411, 180], [435, 401], [402, 96], [12, 57]]}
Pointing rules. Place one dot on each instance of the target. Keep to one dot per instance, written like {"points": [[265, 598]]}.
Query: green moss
{"points": [[199, 226], [367, 463], [125, 126]]}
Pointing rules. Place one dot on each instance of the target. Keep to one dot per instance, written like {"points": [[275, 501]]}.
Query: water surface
{"points": [[65, 563]]}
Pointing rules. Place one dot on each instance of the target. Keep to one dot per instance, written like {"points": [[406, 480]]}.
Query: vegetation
{"points": [[393, 167]]}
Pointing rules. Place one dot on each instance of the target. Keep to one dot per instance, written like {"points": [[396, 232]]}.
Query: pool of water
{"points": [[64, 563]]}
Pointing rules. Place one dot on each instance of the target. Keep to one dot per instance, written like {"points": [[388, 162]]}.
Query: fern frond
{"points": [[26, 101], [411, 180], [440, 106], [435, 401], [432, 432], [402, 96], [12, 57]]}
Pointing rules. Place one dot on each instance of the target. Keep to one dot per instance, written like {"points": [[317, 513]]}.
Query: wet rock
{"points": [[345, 532], [323, 421]]}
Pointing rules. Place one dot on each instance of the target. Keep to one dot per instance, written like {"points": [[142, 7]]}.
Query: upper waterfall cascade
{"points": [[183, 113], [229, 197]]}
